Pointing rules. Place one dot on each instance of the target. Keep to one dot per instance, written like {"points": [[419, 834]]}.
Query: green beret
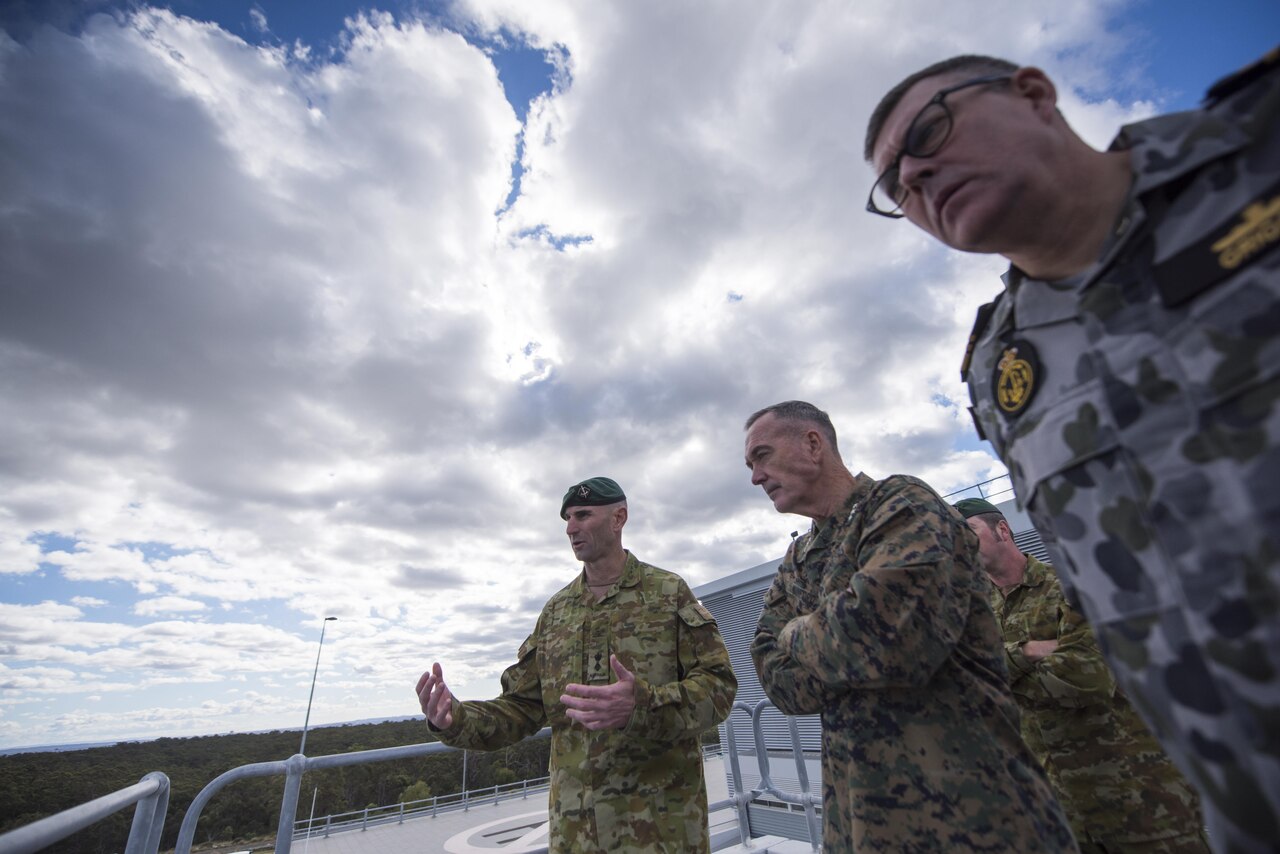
{"points": [[592, 492], [975, 507]]}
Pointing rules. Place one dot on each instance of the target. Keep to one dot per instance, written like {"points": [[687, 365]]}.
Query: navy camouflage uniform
{"points": [[1120, 791], [878, 620], [1137, 407], [638, 789]]}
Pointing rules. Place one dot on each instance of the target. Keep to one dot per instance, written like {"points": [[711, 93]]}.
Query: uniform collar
{"points": [[630, 578], [1161, 150], [1167, 147], [823, 530], [1035, 574]]}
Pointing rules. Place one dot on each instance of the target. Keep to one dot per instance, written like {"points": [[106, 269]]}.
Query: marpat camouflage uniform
{"points": [[1137, 407], [1120, 791], [638, 789], [878, 619]]}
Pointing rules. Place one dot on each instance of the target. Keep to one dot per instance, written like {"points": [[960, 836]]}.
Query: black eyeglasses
{"points": [[925, 135]]}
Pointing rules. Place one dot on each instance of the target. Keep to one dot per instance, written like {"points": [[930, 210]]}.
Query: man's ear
{"points": [[619, 517], [813, 442], [1033, 84]]}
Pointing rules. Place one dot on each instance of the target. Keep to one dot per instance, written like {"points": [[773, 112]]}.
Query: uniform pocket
{"points": [[1085, 489]]}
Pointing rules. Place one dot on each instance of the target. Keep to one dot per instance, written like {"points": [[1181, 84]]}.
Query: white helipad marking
{"points": [[474, 841]]}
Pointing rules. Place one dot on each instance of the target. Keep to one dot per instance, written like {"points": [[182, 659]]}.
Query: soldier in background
{"points": [[878, 620], [629, 669], [1129, 378], [1120, 791]]}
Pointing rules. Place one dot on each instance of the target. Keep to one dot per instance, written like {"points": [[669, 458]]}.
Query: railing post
{"points": [[802, 774], [294, 767], [148, 818], [327, 821], [401, 821], [740, 797], [364, 822]]}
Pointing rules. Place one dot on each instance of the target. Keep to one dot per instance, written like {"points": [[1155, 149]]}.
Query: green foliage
{"points": [[419, 791], [34, 785]]}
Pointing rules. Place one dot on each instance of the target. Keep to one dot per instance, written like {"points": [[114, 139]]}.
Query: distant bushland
{"points": [[35, 785]]}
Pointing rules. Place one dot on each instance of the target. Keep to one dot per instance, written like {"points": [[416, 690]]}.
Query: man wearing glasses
{"points": [[1129, 377]]}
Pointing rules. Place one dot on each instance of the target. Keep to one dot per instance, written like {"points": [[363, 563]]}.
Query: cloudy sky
{"points": [[316, 309]]}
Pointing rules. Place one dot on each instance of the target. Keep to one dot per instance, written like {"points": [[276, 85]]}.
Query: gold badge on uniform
{"points": [[1253, 233], [1258, 228], [1016, 378]]}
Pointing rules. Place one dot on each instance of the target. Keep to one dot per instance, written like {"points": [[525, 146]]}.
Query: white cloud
{"points": [[267, 347], [18, 557], [259, 19], [167, 605]]}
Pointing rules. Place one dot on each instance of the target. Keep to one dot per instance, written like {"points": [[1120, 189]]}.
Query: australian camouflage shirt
{"points": [[1111, 775], [641, 788], [878, 620]]}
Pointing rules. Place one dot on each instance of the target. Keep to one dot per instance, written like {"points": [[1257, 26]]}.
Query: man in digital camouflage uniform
{"points": [[629, 669], [1120, 791], [878, 620], [1129, 377]]}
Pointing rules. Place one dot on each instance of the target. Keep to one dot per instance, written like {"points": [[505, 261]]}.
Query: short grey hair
{"points": [[799, 411], [976, 63]]}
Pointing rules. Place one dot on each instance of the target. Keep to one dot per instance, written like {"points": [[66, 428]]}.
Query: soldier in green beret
{"points": [[1120, 791], [629, 669], [878, 620]]}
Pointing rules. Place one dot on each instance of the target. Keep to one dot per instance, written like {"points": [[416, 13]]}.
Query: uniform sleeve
{"points": [[703, 695], [906, 606], [1074, 675], [786, 682], [516, 714]]}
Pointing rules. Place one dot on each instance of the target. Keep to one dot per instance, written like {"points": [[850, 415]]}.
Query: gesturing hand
{"points": [[602, 706], [435, 698]]}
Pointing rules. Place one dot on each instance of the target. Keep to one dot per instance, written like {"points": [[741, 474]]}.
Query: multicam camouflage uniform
{"points": [[1137, 407], [1119, 789], [878, 619], [639, 789]]}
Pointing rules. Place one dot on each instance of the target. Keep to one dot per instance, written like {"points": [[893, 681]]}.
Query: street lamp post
{"points": [[303, 747]]}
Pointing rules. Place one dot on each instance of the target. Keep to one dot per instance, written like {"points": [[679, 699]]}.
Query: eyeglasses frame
{"points": [[940, 99]]}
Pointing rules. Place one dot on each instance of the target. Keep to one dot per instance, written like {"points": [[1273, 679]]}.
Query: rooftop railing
{"points": [[323, 826], [151, 794]]}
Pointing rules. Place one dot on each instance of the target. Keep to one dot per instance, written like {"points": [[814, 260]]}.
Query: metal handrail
{"points": [[386, 814], [151, 794], [985, 493], [742, 797], [293, 768]]}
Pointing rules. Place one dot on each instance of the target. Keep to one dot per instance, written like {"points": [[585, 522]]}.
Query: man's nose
{"points": [[914, 171], [757, 476]]}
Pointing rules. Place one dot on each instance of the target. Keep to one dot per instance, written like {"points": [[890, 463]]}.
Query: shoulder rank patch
{"points": [[1243, 77], [1243, 239], [1016, 378]]}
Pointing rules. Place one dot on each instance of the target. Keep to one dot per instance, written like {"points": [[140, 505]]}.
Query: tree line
{"points": [[35, 785]]}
